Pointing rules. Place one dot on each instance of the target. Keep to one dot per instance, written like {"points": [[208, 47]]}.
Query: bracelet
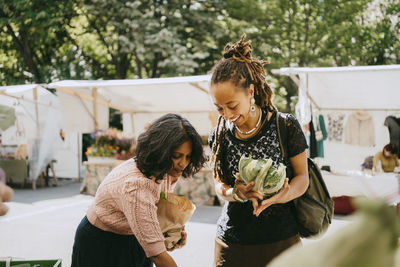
{"points": [[235, 196]]}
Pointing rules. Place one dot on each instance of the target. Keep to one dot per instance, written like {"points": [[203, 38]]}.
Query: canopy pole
{"points": [[196, 85], [90, 98], [133, 124], [79, 135], [295, 79], [24, 99], [37, 141], [95, 109]]}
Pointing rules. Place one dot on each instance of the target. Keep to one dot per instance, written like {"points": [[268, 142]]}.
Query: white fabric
{"points": [[366, 87], [303, 106], [69, 157], [382, 185], [147, 99], [78, 114], [359, 129], [39, 132]]}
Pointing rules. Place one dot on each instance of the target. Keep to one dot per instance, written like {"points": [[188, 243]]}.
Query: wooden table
{"points": [[16, 170]]}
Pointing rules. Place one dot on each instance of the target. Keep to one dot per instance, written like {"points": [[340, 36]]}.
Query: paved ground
{"points": [[69, 188], [41, 225]]}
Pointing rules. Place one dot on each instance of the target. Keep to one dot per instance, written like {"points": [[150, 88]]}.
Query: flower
{"points": [[110, 143]]}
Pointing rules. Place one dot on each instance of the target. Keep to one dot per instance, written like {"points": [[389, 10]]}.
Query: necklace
{"points": [[252, 130]]}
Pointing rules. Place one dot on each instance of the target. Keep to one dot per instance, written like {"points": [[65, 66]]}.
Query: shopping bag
{"points": [[173, 212]]}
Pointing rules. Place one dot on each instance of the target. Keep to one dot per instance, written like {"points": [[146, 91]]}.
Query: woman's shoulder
{"points": [[289, 119], [129, 173]]}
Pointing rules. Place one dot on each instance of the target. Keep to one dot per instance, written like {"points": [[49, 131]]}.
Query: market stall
{"points": [[29, 142], [349, 106], [344, 96], [140, 101]]}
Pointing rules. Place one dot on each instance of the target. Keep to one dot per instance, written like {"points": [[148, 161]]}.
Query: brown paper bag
{"points": [[173, 212]]}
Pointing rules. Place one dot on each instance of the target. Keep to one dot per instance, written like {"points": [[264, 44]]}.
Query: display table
{"points": [[356, 183], [16, 170]]}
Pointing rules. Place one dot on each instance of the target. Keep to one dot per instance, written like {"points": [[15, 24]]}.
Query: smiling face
{"points": [[232, 102], [180, 159]]}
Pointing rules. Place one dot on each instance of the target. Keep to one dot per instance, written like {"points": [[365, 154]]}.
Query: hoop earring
{"points": [[253, 108]]}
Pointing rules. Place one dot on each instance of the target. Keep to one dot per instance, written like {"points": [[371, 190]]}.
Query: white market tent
{"points": [[84, 104], [36, 126], [343, 90]]}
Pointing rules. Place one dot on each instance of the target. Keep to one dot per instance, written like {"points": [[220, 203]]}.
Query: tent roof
{"points": [[11, 94], [362, 87], [178, 94], [129, 82]]}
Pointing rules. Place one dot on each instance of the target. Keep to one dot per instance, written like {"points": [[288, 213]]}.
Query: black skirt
{"points": [[235, 255], [94, 247]]}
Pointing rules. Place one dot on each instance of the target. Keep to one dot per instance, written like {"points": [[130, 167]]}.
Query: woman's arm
{"points": [[375, 163], [297, 187], [300, 181], [163, 260]]}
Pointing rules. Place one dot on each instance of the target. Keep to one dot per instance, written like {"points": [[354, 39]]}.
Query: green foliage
{"points": [[42, 41], [147, 38], [32, 33]]}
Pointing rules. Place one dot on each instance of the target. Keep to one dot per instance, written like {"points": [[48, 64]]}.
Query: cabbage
{"points": [[268, 180]]}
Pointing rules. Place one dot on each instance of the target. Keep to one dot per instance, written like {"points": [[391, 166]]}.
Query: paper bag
{"points": [[173, 212]]}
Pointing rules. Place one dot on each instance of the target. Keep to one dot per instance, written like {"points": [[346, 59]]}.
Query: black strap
{"points": [[282, 132]]}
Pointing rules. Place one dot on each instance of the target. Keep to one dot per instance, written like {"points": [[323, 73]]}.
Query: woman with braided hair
{"points": [[251, 230]]}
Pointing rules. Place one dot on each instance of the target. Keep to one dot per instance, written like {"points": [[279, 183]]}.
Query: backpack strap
{"points": [[282, 132]]}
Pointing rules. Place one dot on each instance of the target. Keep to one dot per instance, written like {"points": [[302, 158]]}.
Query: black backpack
{"points": [[314, 209]]}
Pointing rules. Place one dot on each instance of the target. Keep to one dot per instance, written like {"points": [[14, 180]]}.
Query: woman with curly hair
{"points": [[251, 230], [121, 228]]}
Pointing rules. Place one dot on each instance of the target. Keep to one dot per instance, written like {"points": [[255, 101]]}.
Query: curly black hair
{"points": [[156, 145], [242, 69]]}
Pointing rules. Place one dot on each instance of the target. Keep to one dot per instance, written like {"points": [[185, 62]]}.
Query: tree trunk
{"points": [[25, 51]]}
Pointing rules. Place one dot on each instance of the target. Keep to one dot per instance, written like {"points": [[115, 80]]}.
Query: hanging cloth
{"points": [[359, 129], [393, 125], [335, 127], [313, 141], [320, 143]]}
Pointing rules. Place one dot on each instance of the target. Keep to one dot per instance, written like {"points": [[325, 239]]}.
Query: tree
{"points": [[31, 33], [147, 38]]}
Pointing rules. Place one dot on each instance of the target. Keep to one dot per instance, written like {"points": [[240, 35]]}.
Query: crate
{"points": [[30, 263]]}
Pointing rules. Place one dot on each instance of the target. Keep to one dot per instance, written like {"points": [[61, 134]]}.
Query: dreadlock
{"points": [[239, 67]]}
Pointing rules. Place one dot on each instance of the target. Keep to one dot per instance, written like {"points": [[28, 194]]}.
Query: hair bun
{"points": [[240, 50]]}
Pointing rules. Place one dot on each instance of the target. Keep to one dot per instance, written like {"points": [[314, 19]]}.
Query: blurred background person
{"points": [[386, 160], [6, 193]]}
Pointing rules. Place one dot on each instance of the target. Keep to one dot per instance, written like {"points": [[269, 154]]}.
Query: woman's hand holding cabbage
{"points": [[258, 179]]}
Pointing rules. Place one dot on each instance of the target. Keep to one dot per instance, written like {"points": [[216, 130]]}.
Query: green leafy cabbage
{"points": [[268, 180]]}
